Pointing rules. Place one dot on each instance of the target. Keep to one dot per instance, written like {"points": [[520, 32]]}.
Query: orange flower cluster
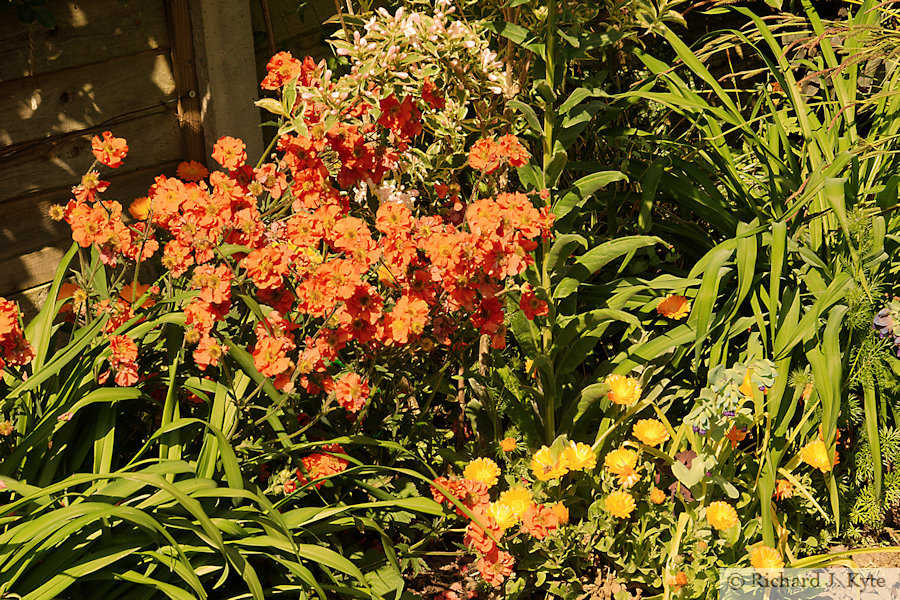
{"points": [[124, 360], [385, 281], [487, 154], [14, 348], [319, 465]]}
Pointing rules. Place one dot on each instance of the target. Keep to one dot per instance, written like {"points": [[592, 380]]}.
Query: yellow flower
{"points": [[518, 499], [503, 514], [621, 460], [651, 432], [674, 307], [579, 457], [815, 454], [546, 467], [628, 477], [623, 390], [746, 386], [721, 515], [766, 559], [508, 444], [783, 489], [620, 504], [484, 470], [657, 496]]}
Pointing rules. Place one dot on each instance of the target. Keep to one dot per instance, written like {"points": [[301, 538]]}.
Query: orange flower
{"points": [[620, 504], [657, 496], [674, 307], [540, 520], [783, 489], [140, 208], [508, 444], [815, 454], [282, 68], [678, 581], [485, 155], [484, 470], [191, 171], [746, 387], [546, 466], [352, 391], [109, 150], [623, 390], [651, 432], [319, 465], [511, 148], [721, 515], [562, 513], [495, 567], [735, 436], [123, 360], [229, 152], [533, 306], [132, 294], [766, 560]]}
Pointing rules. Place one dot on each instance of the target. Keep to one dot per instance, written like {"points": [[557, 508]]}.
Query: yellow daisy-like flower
{"points": [[620, 504], [674, 307], [546, 467], [651, 432], [484, 470], [721, 515], [620, 460], [766, 560], [503, 514], [579, 457], [518, 499], [623, 390], [508, 444], [815, 454], [657, 496]]}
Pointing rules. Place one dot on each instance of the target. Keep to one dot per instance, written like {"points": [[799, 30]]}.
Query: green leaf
{"points": [[596, 258], [584, 188], [529, 114], [554, 169]]}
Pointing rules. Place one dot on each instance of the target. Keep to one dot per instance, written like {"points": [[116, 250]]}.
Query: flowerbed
{"points": [[411, 335]]}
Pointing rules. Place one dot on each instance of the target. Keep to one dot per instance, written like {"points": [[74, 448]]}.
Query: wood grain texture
{"points": [[29, 270], [86, 31], [84, 97], [185, 71], [58, 163]]}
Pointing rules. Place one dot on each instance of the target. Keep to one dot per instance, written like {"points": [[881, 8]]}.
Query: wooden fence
{"points": [[170, 76]]}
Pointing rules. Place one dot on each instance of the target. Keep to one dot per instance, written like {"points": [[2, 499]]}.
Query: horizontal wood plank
{"points": [[80, 98], [58, 163], [25, 223], [86, 31], [19, 273]]}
